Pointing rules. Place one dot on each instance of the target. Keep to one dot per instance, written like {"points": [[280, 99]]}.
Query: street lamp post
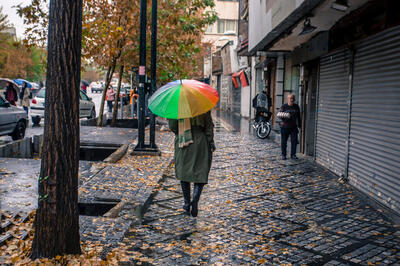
{"points": [[142, 75], [153, 70], [141, 147]]}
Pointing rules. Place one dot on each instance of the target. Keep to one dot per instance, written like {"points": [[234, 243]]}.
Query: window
{"points": [[2, 102], [41, 93], [209, 29], [221, 26], [83, 96], [225, 25], [230, 25]]}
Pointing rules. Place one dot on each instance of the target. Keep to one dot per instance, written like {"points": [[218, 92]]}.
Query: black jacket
{"points": [[295, 117]]}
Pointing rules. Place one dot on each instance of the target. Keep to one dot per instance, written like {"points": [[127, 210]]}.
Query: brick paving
{"points": [[258, 209]]}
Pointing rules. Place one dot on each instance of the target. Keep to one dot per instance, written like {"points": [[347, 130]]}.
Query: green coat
{"points": [[193, 163]]}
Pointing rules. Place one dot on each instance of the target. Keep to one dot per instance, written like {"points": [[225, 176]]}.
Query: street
{"points": [[96, 98]]}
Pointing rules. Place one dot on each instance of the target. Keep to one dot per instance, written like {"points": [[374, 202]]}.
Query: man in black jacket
{"points": [[291, 121]]}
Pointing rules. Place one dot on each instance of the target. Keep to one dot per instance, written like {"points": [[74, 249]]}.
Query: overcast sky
{"points": [[13, 17]]}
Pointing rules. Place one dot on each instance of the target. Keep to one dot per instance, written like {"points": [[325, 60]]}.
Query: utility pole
{"points": [[142, 76], [141, 147], [153, 70]]}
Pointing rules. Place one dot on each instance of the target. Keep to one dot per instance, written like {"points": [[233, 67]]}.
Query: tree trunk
{"points": [[57, 217], [115, 110], [110, 73]]}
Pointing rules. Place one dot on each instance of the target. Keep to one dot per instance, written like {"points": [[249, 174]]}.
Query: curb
{"points": [[117, 155], [141, 209]]}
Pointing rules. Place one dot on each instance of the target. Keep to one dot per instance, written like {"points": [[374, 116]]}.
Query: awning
{"points": [[282, 28], [266, 61]]}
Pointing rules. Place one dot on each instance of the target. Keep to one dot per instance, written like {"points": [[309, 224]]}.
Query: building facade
{"points": [[342, 61], [221, 62]]}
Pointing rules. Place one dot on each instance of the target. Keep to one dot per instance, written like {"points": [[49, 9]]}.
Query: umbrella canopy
{"points": [[3, 84], [20, 81], [183, 99]]}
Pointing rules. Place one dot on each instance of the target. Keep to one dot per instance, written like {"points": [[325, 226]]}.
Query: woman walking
{"points": [[110, 98], [25, 96], [194, 145]]}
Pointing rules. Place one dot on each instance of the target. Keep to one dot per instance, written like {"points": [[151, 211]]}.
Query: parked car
{"points": [[96, 87], [13, 120], [35, 88], [124, 94], [126, 88], [86, 106]]}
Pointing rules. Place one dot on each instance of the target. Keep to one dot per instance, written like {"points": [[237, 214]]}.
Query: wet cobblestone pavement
{"points": [[18, 182], [131, 182], [258, 209], [128, 183]]}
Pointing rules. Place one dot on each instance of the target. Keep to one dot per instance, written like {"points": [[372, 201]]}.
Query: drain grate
{"points": [[96, 153], [96, 208]]}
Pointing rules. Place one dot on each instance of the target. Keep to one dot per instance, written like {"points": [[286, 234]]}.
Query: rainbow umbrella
{"points": [[183, 99]]}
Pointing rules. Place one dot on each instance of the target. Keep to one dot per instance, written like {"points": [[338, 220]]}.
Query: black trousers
{"points": [[110, 106], [285, 133]]}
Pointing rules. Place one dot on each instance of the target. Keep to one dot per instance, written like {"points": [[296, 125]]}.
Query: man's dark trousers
{"points": [[285, 132]]}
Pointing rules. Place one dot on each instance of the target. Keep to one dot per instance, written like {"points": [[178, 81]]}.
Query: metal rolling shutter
{"points": [[374, 159], [332, 111]]}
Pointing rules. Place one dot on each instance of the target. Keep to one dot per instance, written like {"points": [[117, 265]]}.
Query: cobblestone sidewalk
{"points": [[257, 209], [129, 184]]}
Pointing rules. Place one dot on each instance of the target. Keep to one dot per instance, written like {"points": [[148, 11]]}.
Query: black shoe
{"points": [[186, 208], [186, 196], [294, 157], [195, 209], [196, 197], [283, 157]]}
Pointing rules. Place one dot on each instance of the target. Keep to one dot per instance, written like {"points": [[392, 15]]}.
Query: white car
{"points": [[96, 87], [86, 106], [13, 120]]}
